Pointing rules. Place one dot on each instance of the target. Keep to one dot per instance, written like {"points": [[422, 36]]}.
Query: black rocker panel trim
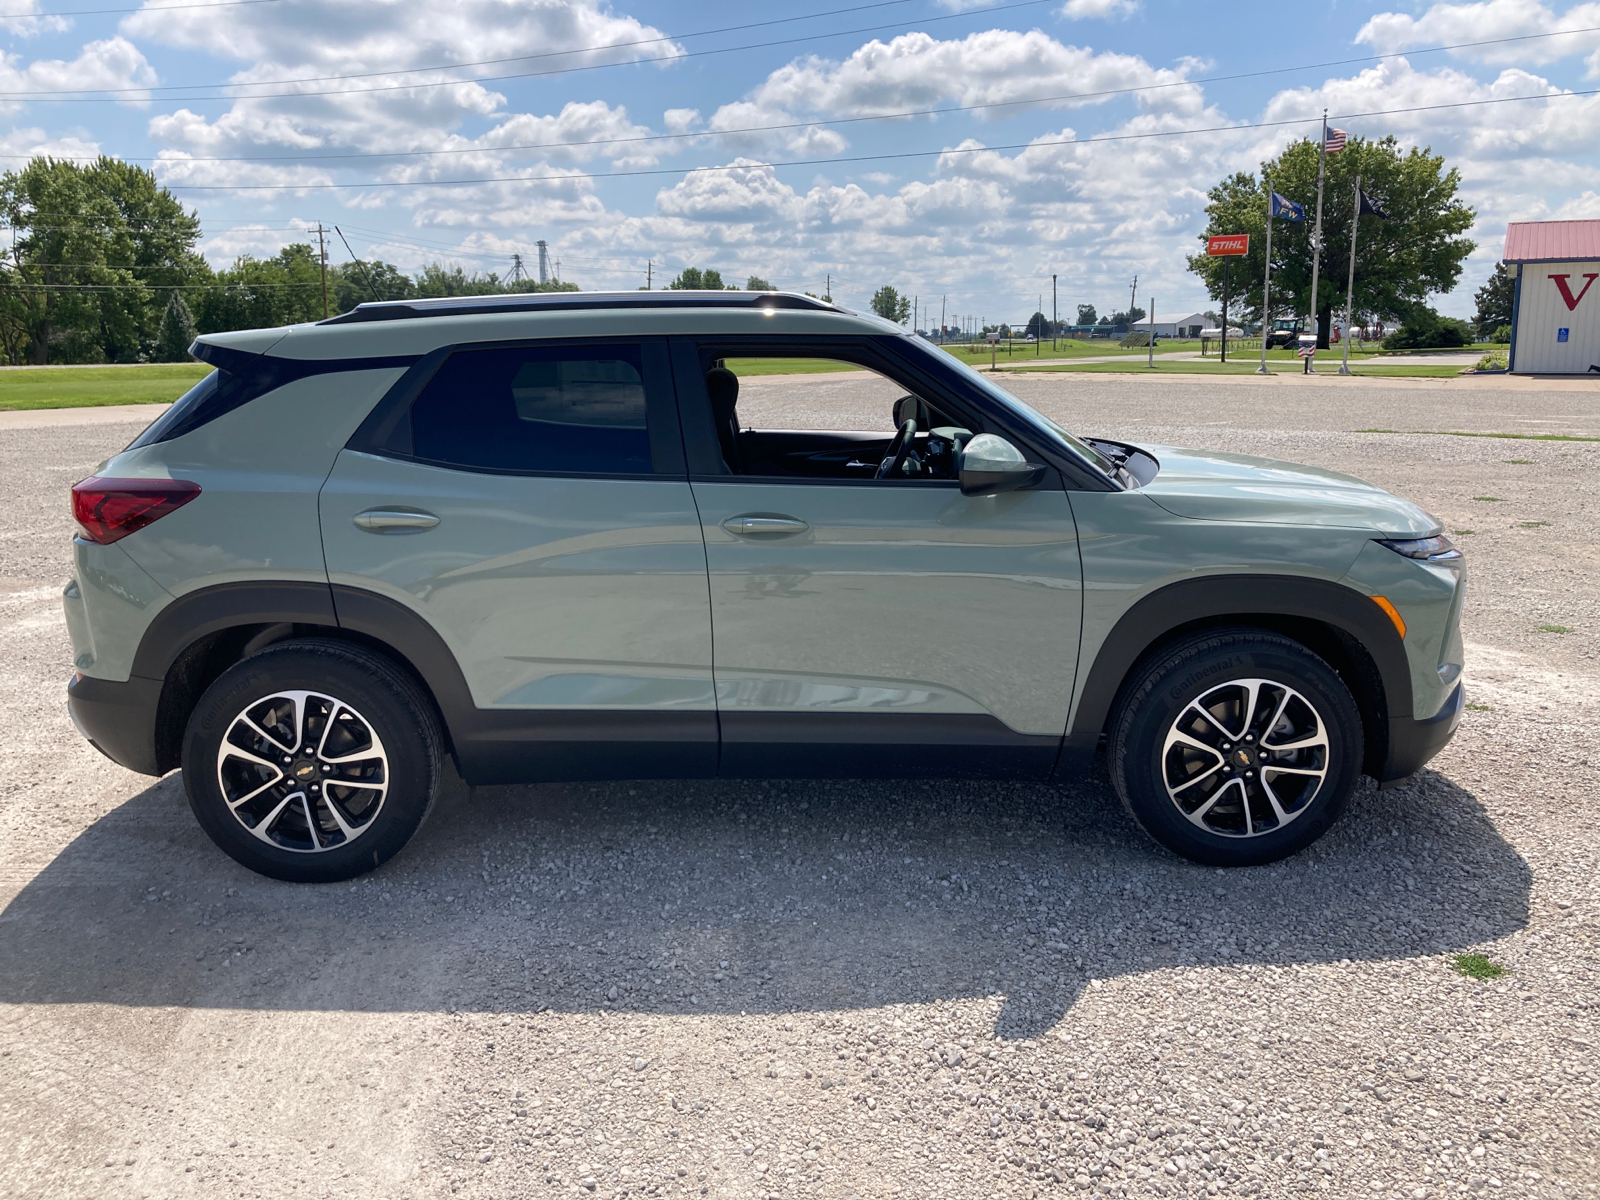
{"points": [[1261, 599], [784, 745]]}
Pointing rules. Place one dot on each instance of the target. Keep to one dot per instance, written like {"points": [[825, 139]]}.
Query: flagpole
{"points": [[1350, 285], [1266, 283], [1316, 237]]}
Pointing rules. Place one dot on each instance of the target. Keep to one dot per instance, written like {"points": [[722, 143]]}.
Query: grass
{"points": [[1553, 628], [82, 387], [1516, 437], [1520, 462], [1532, 524], [1476, 966], [1463, 532], [1490, 499], [1248, 367], [787, 366], [1474, 706]]}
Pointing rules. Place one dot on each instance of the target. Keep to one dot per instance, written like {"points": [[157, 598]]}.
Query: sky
{"points": [[964, 152]]}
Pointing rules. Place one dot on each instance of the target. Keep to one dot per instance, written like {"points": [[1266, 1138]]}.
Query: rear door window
{"points": [[568, 410]]}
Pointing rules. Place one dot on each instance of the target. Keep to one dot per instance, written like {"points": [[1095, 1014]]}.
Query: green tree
{"points": [[259, 293], [94, 245], [891, 305], [757, 284], [1494, 301], [1039, 325], [361, 281], [1425, 329], [693, 279], [177, 330], [1087, 314], [1399, 261]]}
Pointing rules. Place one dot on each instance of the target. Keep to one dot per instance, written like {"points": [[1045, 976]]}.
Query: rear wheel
{"points": [[312, 761], [1236, 748]]}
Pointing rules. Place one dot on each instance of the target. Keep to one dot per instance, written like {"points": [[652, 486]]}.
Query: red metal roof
{"points": [[1551, 241]]}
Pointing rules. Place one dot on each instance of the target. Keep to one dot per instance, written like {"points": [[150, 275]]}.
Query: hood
{"points": [[1208, 485]]}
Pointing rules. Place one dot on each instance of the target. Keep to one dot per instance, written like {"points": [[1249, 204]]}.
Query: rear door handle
{"points": [[762, 525], [395, 520]]}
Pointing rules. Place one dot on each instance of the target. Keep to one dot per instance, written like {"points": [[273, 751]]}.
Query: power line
{"points": [[97, 12], [903, 114], [114, 95], [860, 158]]}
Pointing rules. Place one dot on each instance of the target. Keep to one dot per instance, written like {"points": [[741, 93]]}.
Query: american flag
{"points": [[1335, 141]]}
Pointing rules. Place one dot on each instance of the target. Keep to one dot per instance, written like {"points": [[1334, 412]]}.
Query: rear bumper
{"points": [[1413, 743], [119, 719]]}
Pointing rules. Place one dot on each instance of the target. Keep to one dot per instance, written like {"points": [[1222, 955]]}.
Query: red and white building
{"points": [[1555, 319]]}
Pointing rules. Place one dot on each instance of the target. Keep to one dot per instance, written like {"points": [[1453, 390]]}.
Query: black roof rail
{"points": [[457, 306]]}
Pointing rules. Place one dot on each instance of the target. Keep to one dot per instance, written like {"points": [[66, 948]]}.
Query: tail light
{"points": [[108, 510]]}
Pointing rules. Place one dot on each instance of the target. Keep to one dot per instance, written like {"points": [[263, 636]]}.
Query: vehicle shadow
{"points": [[742, 897]]}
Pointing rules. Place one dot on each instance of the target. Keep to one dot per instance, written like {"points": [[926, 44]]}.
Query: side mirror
{"points": [[910, 408], [990, 464]]}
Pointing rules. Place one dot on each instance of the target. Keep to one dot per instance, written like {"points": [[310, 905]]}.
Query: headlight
{"points": [[1434, 549]]}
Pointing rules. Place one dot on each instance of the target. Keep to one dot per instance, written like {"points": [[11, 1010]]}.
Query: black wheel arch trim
{"points": [[1276, 602]]}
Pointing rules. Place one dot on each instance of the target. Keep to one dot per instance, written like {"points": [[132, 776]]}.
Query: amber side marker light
{"points": [[1392, 613]]}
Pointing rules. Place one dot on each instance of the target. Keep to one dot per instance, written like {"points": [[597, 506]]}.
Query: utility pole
{"points": [[1150, 360], [915, 300], [1055, 316], [322, 255], [1133, 293], [557, 275], [827, 289], [942, 301], [647, 274]]}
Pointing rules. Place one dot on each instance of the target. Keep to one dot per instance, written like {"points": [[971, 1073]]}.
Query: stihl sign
{"points": [[1567, 297], [1228, 244]]}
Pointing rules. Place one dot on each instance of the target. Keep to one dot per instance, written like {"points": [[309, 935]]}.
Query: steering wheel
{"points": [[895, 456]]}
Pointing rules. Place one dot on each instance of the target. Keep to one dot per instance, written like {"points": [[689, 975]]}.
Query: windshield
{"points": [[1043, 424]]}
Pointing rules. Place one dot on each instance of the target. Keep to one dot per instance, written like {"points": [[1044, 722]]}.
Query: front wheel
{"points": [[313, 761], [1236, 748]]}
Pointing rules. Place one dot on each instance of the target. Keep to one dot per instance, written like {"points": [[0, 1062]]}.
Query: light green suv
{"points": [[552, 538]]}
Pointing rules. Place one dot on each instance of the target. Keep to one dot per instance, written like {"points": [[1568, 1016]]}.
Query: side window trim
{"points": [[387, 429]]}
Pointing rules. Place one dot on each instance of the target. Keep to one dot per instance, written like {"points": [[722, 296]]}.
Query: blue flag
{"points": [[1287, 209]]}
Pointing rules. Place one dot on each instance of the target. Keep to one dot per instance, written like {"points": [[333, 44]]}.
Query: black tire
{"points": [[1258, 818], [384, 725]]}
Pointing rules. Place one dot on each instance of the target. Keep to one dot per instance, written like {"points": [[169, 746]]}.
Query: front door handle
{"points": [[764, 525], [395, 520]]}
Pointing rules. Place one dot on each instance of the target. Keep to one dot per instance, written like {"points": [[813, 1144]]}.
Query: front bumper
{"points": [[1413, 743], [119, 719]]}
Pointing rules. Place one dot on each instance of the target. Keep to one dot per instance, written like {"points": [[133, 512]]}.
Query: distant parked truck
{"points": [[1284, 334]]}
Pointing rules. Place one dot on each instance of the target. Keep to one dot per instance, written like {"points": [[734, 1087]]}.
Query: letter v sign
{"points": [[1566, 292]]}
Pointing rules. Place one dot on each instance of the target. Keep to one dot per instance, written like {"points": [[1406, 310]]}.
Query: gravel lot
{"points": [[841, 989]]}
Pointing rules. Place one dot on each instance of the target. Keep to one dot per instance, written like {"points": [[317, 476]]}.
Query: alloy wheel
{"points": [[1245, 758], [303, 771]]}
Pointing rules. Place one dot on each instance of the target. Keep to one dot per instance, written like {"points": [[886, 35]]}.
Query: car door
{"points": [[529, 503], [866, 626]]}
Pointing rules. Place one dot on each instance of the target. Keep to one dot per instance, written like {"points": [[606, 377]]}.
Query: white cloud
{"points": [[27, 21], [916, 71], [111, 64], [1085, 10], [394, 44], [1490, 20]]}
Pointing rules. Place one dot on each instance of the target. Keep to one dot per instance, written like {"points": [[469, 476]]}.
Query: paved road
{"points": [[845, 989]]}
